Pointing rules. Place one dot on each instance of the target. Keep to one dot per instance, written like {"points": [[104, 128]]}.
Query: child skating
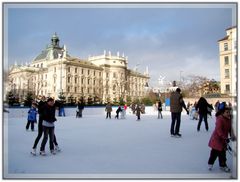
{"points": [[32, 116], [220, 138]]}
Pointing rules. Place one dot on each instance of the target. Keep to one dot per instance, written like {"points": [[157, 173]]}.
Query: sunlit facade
{"points": [[228, 62], [55, 73]]}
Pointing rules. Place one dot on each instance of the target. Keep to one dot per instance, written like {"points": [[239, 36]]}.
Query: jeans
{"points": [[47, 131], [61, 112], [175, 126], [202, 117], [108, 115], [40, 132]]}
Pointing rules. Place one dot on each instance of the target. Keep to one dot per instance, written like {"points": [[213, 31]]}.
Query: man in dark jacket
{"points": [[48, 125], [176, 105]]}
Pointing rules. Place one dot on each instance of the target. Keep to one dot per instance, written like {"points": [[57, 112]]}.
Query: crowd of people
{"points": [[200, 111], [137, 109]]}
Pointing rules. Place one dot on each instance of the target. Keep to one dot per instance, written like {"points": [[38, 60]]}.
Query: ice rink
{"points": [[95, 147]]}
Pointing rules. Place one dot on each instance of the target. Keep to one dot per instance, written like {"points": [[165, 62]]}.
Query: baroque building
{"points": [[54, 73], [228, 62]]}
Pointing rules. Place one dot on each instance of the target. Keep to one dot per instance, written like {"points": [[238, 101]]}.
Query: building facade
{"points": [[54, 73], [228, 62]]}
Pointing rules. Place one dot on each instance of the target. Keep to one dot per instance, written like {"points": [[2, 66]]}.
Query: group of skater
{"points": [[46, 109], [121, 110], [137, 109], [221, 136], [222, 133]]}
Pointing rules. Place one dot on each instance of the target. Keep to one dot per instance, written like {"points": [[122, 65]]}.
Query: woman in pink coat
{"points": [[219, 139]]}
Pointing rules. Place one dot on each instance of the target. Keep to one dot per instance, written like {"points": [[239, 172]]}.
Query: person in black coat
{"points": [[49, 118], [118, 111], [41, 106], [202, 108]]}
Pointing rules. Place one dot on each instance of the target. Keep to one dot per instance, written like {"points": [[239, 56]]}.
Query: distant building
{"points": [[54, 73], [228, 62]]}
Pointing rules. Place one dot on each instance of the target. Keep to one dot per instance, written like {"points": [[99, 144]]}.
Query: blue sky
{"points": [[168, 39]]}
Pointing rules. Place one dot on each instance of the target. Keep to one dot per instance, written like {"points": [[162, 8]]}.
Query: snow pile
{"points": [[95, 147]]}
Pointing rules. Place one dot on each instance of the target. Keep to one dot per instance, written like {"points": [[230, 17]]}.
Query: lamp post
{"points": [[61, 60]]}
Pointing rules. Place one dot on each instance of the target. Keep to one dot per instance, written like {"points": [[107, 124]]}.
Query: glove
{"points": [[187, 112], [227, 140]]}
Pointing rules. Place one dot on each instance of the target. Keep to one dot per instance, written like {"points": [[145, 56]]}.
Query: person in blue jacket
{"points": [[61, 108], [32, 116]]}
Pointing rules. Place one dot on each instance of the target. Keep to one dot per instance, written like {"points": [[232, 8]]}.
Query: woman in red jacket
{"points": [[219, 139]]}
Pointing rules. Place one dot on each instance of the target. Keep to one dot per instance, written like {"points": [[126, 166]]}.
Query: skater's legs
{"points": [[40, 132], [108, 115], [51, 137], [206, 122], [32, 125], [178, 123], [55, 139], [200, 121], [222, 159], [45, 137], [27, 126], [173, 115], [213, 156], [80, 113]]}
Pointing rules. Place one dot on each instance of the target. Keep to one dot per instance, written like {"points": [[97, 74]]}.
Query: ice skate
{"points": [[225, 169], [210, 166], [178, 135], [42, 153], [57, 149], [53, 152], [33, 152]]}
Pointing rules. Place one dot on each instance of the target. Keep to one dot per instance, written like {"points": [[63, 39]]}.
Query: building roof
{"points": [[231, 27], [136, 73], [225, 38], [52, 51]]}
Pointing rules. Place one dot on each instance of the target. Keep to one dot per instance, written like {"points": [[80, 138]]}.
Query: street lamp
{"points": [[61, 60]]}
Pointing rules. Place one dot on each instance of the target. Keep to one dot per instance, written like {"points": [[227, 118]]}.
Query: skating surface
{"points": [[95, 147]]}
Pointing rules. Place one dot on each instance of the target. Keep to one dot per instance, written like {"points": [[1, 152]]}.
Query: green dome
{"points": [[52, 51]]}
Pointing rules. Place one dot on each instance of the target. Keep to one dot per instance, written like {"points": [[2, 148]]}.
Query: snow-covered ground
{"points": [[95, 147]]}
